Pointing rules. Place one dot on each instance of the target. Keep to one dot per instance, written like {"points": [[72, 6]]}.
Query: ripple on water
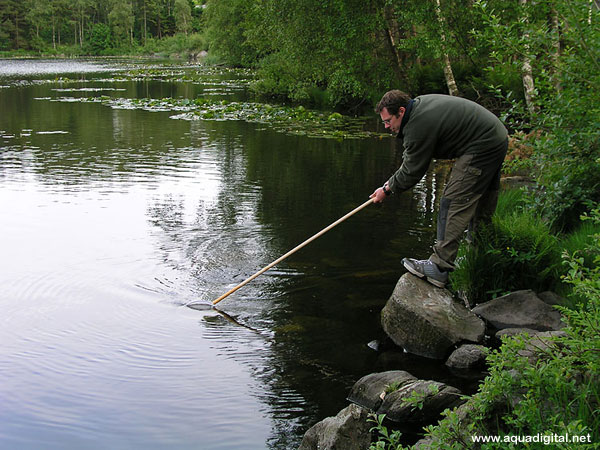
{"points": [[83, 359]]}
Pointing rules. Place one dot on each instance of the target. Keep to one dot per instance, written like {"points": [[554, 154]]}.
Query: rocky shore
{"points": [[428, 321]]}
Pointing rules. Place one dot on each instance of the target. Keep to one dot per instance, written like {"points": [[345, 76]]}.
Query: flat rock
{"points": [[509, 332], [370, 390], [389, 393], [552, 298], [467, 356], [520, 309], [433, 398], [536, 342]]}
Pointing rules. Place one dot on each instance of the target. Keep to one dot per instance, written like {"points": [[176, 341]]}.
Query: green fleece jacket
{"points": [[439, 126]]}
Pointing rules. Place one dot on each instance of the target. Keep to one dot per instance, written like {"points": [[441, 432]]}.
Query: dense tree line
{"points": [[93, 25], [354, 48], [535, 63]]}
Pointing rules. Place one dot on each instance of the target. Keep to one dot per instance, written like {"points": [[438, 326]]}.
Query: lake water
{"points": [[121, 224]]}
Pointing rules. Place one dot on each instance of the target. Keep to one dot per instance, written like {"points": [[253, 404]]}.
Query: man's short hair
{"points": [[393, 101]]}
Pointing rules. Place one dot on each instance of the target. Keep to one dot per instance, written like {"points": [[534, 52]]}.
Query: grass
{"points": [[515, 251]]}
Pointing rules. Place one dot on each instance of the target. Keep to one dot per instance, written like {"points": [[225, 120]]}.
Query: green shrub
{"points": [[584, 268], [559, 394], [511, 201], [515, 251], [100, 40], [278, 77], [563, 111], [568, 184], [566, 380], [581, 241], [387, 439], [176, 45]]}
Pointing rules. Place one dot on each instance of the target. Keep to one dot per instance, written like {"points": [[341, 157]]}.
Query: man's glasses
{"points": [[387, 121]]}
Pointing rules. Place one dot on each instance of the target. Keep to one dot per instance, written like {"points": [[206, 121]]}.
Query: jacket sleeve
{"points": [[415, 162]]}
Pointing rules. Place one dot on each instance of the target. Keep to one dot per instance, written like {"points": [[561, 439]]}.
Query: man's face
{"points": [[392, 122]]}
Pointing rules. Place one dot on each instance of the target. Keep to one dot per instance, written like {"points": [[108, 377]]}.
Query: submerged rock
{"points": [[426, 320], [374, 345]]}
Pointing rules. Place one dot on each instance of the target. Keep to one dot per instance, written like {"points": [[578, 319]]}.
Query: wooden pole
{"points": [[292, 251]]}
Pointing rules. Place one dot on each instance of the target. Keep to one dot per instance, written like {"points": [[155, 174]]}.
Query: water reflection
{"points": [[23, 67], [116, 219]]}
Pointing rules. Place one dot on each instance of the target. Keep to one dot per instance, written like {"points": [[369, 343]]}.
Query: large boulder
{"points": [[520, 309], [427, 320], [348, 430], [404, 398]]}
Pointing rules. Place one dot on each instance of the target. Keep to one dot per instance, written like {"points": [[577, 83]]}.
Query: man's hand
{"points": [[380, 194]]}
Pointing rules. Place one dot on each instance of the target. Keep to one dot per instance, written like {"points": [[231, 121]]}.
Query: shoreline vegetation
{"points": [[534, 64], [556, 393], [178, 47]]}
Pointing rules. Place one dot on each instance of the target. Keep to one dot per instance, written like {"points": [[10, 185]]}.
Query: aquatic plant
{"points": [[290, 120]]}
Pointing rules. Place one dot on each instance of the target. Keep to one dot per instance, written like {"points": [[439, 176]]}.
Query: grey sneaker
{"points": [[426, 269]]}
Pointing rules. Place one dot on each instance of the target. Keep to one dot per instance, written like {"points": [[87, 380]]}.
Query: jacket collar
{"points": [[406, 117]]}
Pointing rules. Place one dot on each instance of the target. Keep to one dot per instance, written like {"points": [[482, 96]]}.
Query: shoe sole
{"points": [[433, 281]]}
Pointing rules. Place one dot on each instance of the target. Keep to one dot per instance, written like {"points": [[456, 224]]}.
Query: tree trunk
{"points": [[556, 50], [418, 58], [81, 25], [448, 74], [528, 84], [393, 32], [392, 35], [17, 29], [526, 69], [131, 27]]}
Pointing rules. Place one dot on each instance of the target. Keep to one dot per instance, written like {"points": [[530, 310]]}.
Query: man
{"points": [[444, 127]]}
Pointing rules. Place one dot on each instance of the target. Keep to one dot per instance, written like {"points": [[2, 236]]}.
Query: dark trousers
{"points": [[469, 197]]}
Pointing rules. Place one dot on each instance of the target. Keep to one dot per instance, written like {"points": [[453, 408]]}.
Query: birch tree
{"points": [[526, 69], [121, 20], [183, 16], [448, 73]]}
